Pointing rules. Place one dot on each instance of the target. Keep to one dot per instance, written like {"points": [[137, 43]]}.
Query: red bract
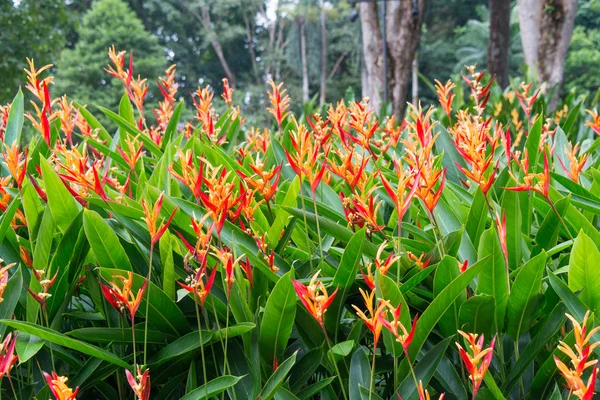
{"points": [[315, 297], [151, 217], [58, 387], [195, 283], [140, 384], [7, 355]]}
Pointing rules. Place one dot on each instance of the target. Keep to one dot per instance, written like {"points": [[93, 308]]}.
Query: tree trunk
{"points": [[415, 80], [556, 28], [499, 41], [302, 26], [250, 38], [403, 33], [373, 56], [529, 27], [323, 54], [547, 39]]}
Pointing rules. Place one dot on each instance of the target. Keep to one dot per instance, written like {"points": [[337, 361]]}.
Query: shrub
{"points": [[333, 255]]}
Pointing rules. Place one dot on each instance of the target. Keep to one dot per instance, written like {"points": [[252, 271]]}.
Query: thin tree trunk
{"points": [[415, 80], [250, 38], [529, 27], [373, 56], [403, 33], [323, 54], [499, 42], [556, 29], [305, 93]]}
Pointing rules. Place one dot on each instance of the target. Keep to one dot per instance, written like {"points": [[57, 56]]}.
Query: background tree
{"points": [[499, 41], [30, 28], [80, 70]]}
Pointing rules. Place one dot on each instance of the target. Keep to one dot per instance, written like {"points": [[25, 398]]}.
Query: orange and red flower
{"points": [[122, 297], [315, 297], [478, 360], [140, 384], [58, 387]]}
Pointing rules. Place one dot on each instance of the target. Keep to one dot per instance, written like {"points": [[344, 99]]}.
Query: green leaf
{"points": [[476, 315], [304, 368], [104, 242], [424, 370], [276, 380], [343, 348], [311, 390], [511, 207], [27, 346], [65, 341], [128, 127], [360, 372], [478, 216], [7, 217], [172, 126], [163, 313], [446, 271], [11, 297], [440, 304], [532, 144], [344, 279], [524, 296], [14, 124], [547, 234], [278, 319], [93, 123], [168, 266], [494, 278], [583, 271], [212, 388], [63, 206], [118, 335], [290, 200]]}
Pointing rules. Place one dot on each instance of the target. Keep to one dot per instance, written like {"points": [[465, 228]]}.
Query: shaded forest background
{"points": [[253, 41]]}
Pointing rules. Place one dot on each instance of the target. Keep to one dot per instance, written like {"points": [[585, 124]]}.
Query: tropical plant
{"points": [[327, 256]]}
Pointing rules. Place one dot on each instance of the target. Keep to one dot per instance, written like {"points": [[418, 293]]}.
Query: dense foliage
{"points": [[334, 254]]}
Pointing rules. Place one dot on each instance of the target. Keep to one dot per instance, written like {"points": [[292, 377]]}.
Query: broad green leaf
{"points": [[424, 370], [104, 242], [532, 144], [304, 368], [172, 126], [129, 127], [93, 123], [290, 200], [8, 216], [276, 380], [168, 267], [440, 304], [314, 389], [63, 206], [524, 296], [41, 255], [27, 346], [278, 319], [118, 335], [11, 296], [511, 207], [14, 124], [212, 388], [360, 372], [446, 271], [478, 216], [547, 234], [344, 279], [583, 271], [476, 315], [494, 278], [65, 341]]}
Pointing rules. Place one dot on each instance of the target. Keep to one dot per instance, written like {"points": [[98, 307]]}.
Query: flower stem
{"points": [[398, 255], [147, 301], [320, 239], [412, 371], [306, 227], [201, 342], [372, 372], [133, 338], [562, 221], [334, 363]]}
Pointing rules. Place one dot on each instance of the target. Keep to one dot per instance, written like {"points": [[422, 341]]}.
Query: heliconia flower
{"points": [[133, 153], [257, 140], [539, 183], [225, 256], [373, 321], [384, 265], [476, 356], [194, 283], [427, 182], [227, 92], [16, 162], [463, 267], [480, 93], [424, 394], [422, 261], [366, 208], [576, 163], [525, 99], [7, 355], [168, 89], [151, 218], [595, 122], [66, 115], [445, 95], [403, 336], [315, 297], [140, 384], [4, 111], [46, 284], [280, 103], [4, 278], [264, 182], [368, 277], [36, 85], [353, 174], [58, 387], [401, 196], [122, 298], [247, 268]]}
